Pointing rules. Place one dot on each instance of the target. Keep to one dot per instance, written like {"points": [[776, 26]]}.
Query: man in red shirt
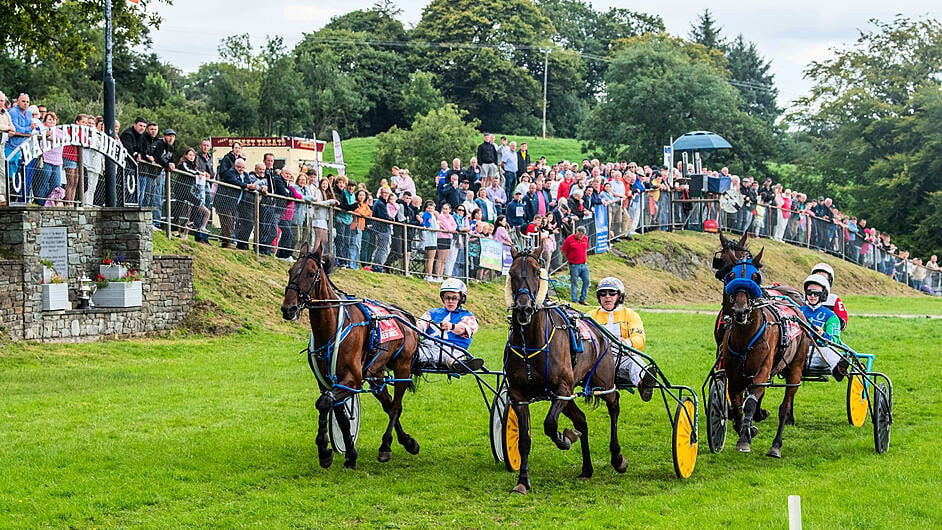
{"points": [[576, 249]]}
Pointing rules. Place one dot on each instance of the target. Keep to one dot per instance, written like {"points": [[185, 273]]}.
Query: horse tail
{"points": [[592, 400]]}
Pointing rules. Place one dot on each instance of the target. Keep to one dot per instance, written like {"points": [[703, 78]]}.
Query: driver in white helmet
{"points": [[826, 323], [455, 325], [625, 324], [834, 302]]}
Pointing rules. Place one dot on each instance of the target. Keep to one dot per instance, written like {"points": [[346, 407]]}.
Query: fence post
{"points": [[406, 250], [165, 177], [258, 209]]}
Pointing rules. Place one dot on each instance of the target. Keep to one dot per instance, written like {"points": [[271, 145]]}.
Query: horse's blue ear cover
{"points": [[744, 276]]}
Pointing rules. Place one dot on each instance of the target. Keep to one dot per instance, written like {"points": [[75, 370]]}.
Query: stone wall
{"points": [[92, 233]]}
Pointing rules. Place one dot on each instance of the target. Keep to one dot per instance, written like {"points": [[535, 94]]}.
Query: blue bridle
{"points": [[744, 276]]}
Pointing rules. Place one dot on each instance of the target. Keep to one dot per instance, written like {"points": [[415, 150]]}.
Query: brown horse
{"points": [[541, 361], [752, 352], [343, 354]]}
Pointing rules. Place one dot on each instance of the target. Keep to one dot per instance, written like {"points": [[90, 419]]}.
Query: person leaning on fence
{"points": [[454, 326], [191, 193], [576, 248], [235, 204], [346, 201], [826, 323], [625, 324]]}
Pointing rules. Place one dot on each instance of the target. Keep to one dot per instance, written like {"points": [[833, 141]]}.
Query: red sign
{"points": [[308, 144], [250, 141]]}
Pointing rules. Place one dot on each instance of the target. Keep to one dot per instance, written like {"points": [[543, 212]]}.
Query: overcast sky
{"points": [[789, 34]]}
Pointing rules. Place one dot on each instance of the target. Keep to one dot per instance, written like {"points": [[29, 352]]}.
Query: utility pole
{"points": [[546, 53], [111, 187]]}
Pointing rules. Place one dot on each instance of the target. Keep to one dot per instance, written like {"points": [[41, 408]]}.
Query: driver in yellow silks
{"points": [[625, 324]]}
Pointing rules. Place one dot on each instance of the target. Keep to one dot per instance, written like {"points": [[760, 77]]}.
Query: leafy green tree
{"points": [[334, 99], [379, 22], [655, 91], [872, 116], [487, 57], [36, 30], [420, 95], [707, 32], [231, 87], [750, 75], [442, 134], [282, 105]]}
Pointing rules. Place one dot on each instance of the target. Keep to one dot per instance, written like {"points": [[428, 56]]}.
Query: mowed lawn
{"points": [[220, 432]]}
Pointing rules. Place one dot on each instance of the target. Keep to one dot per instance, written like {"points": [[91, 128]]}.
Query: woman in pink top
{"points": [[50, 176], [446, 226]]}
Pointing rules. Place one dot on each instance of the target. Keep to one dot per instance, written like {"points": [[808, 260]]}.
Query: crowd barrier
{"points": [[187, 205]]}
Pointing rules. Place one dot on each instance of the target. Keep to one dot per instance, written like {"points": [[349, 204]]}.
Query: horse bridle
{"points": [[524, 290], [304, 297]]}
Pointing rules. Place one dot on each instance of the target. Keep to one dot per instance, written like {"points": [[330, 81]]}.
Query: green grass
{"points": [[359, 153], [220, 432]]}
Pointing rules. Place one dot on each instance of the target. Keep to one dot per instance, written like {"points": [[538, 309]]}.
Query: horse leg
{"points": [[385, 446], [760, 413], [574, 413], [785, 412], [614, 409], [324, 452], [551, 426], [523, 424], [405, 440], [748, 430]]}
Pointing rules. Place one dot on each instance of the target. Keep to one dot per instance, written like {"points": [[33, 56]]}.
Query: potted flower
{"points": [[113, 268], [125, 291], [49, 270], [55, 291]]}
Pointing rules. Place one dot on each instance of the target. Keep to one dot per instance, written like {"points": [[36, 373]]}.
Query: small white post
{"points": [[794, 512]]}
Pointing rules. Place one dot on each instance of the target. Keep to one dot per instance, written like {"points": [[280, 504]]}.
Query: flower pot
{"points": [[48, 273], [118, 294], [55, 296], [112, 272]]}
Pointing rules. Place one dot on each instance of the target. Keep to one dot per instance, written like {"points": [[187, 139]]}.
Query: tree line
{"points": [[864, 135]]}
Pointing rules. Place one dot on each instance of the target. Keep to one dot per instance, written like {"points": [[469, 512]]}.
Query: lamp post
{"points": [[111, 188]]}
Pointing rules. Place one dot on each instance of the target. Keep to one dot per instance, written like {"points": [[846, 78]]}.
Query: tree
{"points": [[37, 30], [486, 64], [654, 91], [439, 135], [706, 31], [872, 116], [420, 96], [750, 75], [335, 103], [282, 104]]}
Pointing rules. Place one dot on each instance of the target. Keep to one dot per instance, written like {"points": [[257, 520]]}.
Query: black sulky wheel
{"points": [[498, 407], [882, 418], [716, 411], [352, 409]]}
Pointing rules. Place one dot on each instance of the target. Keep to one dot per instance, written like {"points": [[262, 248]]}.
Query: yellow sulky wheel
{"points": [[684, 440], [511, 440], [857, 401]]}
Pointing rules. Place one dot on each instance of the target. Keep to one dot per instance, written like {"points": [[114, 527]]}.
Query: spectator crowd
{"points": [[504, 193]]}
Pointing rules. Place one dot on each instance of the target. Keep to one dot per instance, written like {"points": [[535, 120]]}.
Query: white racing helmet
{"points": [[825, 268], [822, 281], [454, 285], [611, 283]]}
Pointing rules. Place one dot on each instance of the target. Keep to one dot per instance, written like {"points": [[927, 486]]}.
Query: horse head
{"points": [[742, 287], [729, 254], [527, 284], [307, 281]]}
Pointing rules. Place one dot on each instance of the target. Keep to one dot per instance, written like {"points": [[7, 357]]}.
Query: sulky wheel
{"points": [[352, 409], [857, 400], [716, 412], [498, 407], [510, 439], [882, 418], [684, 439]]}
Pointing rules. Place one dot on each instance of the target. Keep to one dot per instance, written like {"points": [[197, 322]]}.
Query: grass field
{"points": [[199, 431]]}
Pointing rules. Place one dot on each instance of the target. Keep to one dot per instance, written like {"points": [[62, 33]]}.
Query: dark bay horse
{"points": [[752, 351], [547, 356], [345, 354]]}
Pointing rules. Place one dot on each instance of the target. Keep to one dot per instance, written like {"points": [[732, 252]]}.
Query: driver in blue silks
{"points": [[457, 326], [825, 322]]}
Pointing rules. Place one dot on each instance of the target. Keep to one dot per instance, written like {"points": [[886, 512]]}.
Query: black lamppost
{"points": [[111, 195]]}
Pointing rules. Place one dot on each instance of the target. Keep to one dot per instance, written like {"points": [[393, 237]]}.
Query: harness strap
{"points": [[752, 342]]}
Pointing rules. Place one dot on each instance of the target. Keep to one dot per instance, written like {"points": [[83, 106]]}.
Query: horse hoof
{"points": [[744, 447], [519, 489], [774, 453], [760, 415], [350, 464], [754, 431], [384, 456], [585, 475], [411, 446], [621, 464], [326, 460], [571, 434]]}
